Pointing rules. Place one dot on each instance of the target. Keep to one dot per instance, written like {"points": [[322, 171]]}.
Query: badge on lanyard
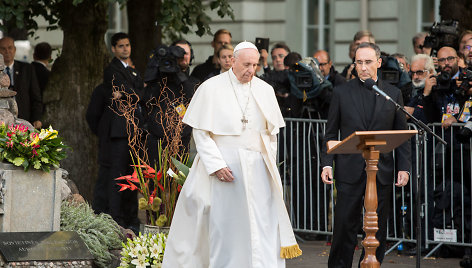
{"points": [[181, 110], [465, 116]]}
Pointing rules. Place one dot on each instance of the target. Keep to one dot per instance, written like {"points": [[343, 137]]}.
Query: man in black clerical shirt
{"points": [[355, 108]]}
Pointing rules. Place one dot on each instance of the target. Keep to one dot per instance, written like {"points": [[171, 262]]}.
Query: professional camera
{"points": [[465, 133], [465, 76], [163, 61], [443, 81], [306, 80], [391, 72], [444, 33]]}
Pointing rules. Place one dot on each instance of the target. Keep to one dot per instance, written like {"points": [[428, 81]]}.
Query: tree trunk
{"points": [[460, 10], [75, 73], [143, 32]]}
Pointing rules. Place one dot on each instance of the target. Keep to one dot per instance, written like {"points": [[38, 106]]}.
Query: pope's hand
{"points": [[327, 175], [224, 174]]}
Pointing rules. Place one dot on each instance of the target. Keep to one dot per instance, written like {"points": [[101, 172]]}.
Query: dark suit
{"points": [[42, 73], [356, 108], [113, 140], [28, 94]]}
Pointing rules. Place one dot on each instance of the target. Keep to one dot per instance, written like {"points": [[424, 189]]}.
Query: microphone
{"points": [[370, 84]]}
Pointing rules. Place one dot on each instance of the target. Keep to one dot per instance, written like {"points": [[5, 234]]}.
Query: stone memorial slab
{"points": [[43, 246], [29, 201]]}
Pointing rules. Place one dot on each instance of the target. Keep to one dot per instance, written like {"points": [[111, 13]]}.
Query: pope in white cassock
{"points": [[230, 212]]}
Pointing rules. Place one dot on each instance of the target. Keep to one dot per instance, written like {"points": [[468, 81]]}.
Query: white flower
{"points": [[171, 173], [140, 262], [156, 250], [134, 252]]}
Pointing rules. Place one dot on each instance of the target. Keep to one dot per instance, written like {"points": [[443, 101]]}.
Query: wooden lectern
{"points": [[370, 144]]}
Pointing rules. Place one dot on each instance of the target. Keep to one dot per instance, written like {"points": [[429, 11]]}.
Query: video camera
{"points": [[306, 79], [163, 61], [391, 72], [444, 33]]}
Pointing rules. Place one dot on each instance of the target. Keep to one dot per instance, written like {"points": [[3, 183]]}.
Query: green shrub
{"points": [[99, 232]]}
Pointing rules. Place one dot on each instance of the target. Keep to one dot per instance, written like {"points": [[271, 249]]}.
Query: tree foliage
{"points": [[174, 16]]}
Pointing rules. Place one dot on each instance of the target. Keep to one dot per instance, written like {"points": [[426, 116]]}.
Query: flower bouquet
{"points": [[159, 189], [161, 184], [31, 148], [144, 251]]}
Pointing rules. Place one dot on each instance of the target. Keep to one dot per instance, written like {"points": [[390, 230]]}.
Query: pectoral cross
{"points": [[244, 121]]}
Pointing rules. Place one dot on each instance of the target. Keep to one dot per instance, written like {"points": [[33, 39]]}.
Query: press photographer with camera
{"points": [[168, 91], [444, 102]]}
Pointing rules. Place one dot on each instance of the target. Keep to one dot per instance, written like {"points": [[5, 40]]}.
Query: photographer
{"points": [[444, 101], [168, 92]]}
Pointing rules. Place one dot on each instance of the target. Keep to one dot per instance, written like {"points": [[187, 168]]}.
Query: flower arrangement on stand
{"points": [[31, 148], [143, 251]]}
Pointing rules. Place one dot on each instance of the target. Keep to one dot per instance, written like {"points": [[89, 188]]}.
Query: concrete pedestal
{"points": [[29, 201]]}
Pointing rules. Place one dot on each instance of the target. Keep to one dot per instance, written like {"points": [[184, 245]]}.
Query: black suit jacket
{"points": [[127, 79], [346, 114], [42, 73], [28, 96]]}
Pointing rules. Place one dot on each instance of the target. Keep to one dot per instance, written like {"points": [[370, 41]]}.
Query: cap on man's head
{"points": [[244, 45]]}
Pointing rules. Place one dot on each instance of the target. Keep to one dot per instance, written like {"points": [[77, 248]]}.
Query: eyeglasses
{"points": [[322, 64], [468, 47], [448, 59], [418, 73]]}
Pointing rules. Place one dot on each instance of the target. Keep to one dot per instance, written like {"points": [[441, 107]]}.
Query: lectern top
{"points": [[359, 140]]}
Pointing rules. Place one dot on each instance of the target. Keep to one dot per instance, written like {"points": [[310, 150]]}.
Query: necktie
{"points": [[8, 73]]}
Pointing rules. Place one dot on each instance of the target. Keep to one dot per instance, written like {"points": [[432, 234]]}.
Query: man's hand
{"points": [[224, 174], [327, 175], [429, 82], [448, 122], [402, 179], [264, 56], [37, 124]]}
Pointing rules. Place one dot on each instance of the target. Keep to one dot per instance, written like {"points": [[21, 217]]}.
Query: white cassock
{"points": [[239, 224]]}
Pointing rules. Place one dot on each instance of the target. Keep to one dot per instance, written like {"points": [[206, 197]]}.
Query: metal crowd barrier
{"points": [[446, 187]]}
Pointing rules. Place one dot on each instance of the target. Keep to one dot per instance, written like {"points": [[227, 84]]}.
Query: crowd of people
{"points": [[435, 87]]}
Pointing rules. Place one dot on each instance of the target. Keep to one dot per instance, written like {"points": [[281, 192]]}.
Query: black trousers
{"points": [[348, 221], [123, 206]]}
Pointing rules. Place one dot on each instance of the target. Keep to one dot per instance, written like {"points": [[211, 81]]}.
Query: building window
{"points": [[428, 12], [317, 28]]}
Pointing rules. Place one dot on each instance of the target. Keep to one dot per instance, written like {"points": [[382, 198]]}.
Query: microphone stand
{"points": [[420, 145]]}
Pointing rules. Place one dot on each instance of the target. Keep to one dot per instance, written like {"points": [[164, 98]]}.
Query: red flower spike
{"points": [[159, 176], [123, 186], [151, 199], [160, 187], [127, 177], [179, 188]]}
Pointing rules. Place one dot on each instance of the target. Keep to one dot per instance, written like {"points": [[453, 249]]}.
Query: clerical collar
{"points": [[374, 80]]}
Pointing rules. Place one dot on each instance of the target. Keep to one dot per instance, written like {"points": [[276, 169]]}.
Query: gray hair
{"points": [[370, 45], [418, 36], [428, 62]]}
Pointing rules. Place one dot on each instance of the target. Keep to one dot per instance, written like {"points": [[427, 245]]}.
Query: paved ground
{"points": [[315, 254]]}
